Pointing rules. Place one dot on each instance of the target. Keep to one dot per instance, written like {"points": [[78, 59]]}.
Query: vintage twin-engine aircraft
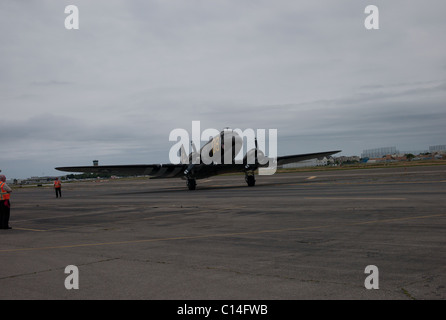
{"points": [[194, 167]]}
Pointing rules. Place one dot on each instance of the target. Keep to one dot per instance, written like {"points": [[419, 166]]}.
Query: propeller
{"points": [[194, 157], [256, 154]]}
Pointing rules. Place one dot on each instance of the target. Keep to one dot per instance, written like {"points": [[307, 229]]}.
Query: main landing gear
{"points": [[191, 183], [250, 179]]}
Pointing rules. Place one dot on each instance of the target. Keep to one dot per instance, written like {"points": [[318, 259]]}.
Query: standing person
{"points": [[5, 205], [58, 187]]}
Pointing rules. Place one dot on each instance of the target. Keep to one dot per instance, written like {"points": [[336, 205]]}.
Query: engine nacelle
{"points": [[194, 158], [250, 157]]}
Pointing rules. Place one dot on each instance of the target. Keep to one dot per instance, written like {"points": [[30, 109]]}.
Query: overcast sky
{"points": [[137, 69]]}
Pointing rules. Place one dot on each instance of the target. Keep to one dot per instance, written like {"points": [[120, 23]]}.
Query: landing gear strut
{"points": [[191, 183], [250, 179]]}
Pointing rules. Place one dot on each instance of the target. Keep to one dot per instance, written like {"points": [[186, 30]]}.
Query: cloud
{"points": [[135, 70]]}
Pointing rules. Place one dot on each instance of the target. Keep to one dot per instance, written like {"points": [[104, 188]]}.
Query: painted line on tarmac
{"points": [[354, 198], [29, 229]]}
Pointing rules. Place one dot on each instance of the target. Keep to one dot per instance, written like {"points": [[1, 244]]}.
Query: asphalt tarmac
{"points": [[307, 235]]}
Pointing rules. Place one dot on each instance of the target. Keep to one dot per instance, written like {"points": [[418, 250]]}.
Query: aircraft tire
{"points": [[251, 181], [191, 184]]}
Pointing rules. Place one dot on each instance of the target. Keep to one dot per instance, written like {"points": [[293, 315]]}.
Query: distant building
{"points": [[414, 152], [38, 180], [346, 160], [379, 152], [437, 148]]}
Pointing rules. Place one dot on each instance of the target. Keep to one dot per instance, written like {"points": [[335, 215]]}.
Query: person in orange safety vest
{"points": [[58, 188], [5, 205]]}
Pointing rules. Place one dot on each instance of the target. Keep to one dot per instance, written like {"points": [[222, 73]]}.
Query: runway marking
{"points": [[175, 214], [354, 198], [350, 183], [311, 178], [218, 235], [29, 229]]}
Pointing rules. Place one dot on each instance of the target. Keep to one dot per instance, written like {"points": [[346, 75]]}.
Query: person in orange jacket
{"points": [[58, 188], [5, 205]]}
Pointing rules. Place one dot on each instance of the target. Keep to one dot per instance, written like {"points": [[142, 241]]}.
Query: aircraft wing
{"points": [[159, 171], [301, 157], [153, 170]]}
